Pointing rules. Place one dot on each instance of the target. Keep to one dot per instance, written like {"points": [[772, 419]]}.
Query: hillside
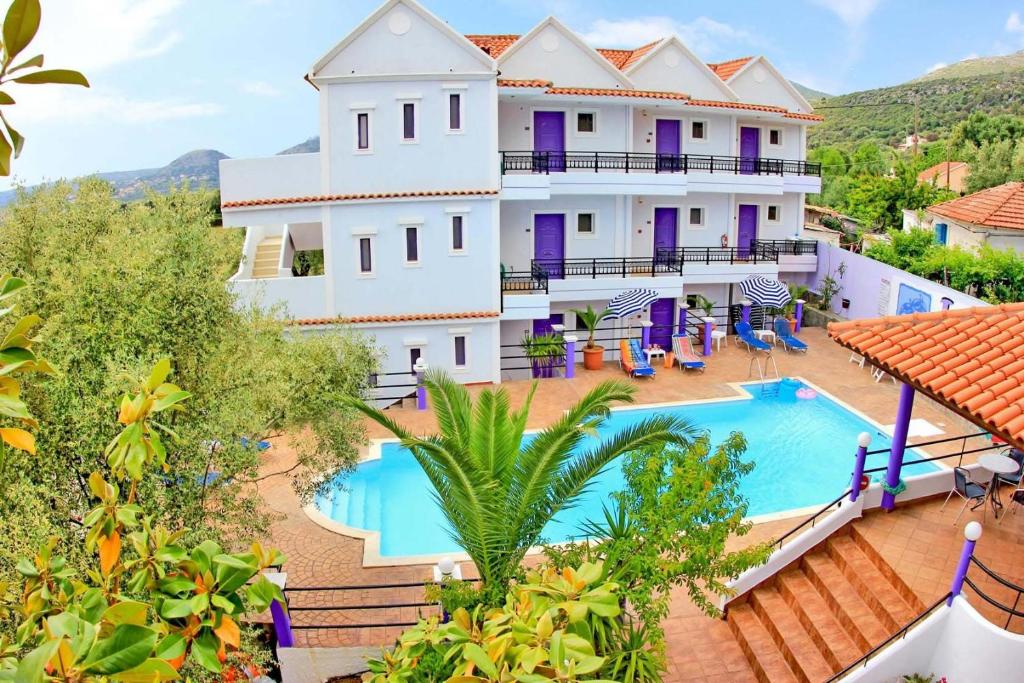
{"points": [[979, 66], [809, 93]]}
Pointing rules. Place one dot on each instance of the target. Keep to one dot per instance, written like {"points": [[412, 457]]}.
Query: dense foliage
{"points": [[121, 286], [497, 489], [995, 275]]}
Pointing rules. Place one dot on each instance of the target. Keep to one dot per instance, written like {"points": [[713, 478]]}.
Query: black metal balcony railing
{"points": [[792, 247], [645, 162]]}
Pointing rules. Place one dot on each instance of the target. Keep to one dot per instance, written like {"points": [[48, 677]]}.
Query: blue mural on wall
{"points": [[912, 300]]}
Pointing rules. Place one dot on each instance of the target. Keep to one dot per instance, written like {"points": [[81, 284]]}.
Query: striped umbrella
{"points": [[632, 301], [764, 291]]}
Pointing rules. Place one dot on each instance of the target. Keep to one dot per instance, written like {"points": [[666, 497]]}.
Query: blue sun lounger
{"points": [[746, 334], [785, 335], [641, 368]]}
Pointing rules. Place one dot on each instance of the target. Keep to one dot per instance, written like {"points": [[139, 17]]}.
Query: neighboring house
{"points": [[813, 231], [994, 216], [469, 189], [813, 215], [950, 175], [910, 141]]}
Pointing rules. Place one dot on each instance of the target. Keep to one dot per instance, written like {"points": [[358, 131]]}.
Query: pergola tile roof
{"points": [[971, 360]]}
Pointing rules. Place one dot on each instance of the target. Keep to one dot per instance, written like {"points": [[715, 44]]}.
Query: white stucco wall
{"points": [[551, 55], [517, 228], [719, 129], [758, 85], [790, 224], [516, 125], [436, 343], [671, 69]]}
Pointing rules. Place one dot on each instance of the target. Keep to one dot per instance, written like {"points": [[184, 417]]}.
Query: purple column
{"points": [[899, 444], [683, 308], [946, 303], [972, 532], [863, 441], [570, 356], [746, 310], [799, 313], [645, 333], [708, 323], [282, 625], [421, 390]]}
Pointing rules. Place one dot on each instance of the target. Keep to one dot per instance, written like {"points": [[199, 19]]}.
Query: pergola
{"points": [[970, 360]]}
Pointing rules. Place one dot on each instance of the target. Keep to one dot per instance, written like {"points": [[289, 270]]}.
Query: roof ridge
{"points": [[985, 311], [1004, 193]]}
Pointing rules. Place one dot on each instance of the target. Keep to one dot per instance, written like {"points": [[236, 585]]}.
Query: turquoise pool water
{"points": [[803, 451]]}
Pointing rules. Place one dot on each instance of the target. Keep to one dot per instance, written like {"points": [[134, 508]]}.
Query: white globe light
{"points": [[864, 440], [447, 566], [972, 532]]}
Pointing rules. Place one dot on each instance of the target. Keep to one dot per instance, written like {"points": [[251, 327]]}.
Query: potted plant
{"points": [[707, 305], [593, 355], [545, 351], [789, 310]]}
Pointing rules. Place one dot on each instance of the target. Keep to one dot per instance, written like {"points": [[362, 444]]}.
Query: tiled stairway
{"points": [[821, 613], [268, 252]]}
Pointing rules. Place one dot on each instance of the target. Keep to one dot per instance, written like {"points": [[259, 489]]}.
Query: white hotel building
{"points": [[469, 189]]}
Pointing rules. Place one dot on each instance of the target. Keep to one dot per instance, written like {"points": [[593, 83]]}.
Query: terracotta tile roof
{"points": [[803, 117], [726, 70], [412, 194], [400, 318], [997, 207], [739, 105], [970, 360], [941, 169], [623, 59], [619, 92], [493, 45], [523, 83]]}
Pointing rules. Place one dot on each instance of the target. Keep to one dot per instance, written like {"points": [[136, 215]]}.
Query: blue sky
{"points": [[170, 76]]}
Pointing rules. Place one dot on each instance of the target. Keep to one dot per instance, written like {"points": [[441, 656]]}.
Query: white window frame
{"points": [[689, 131], [451, 235], [768, 137], [356, 113], [703, 218], [465, 333], [576, 123], [372, 272], [459, 89], [415, 102], [778, 214], [418, 226], [576, 225]]}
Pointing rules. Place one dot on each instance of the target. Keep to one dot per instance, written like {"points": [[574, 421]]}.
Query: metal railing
{"points": [[960, 455], [899, 635], [792, 247], [648, 162], [1011, 611], [812, 520]]}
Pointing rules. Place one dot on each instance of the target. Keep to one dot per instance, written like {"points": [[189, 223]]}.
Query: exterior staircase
{"points": [[268, 253], [822, 612]]}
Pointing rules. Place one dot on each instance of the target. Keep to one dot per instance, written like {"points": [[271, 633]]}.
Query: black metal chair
{"points": [[966, 488], [1014, 478]]}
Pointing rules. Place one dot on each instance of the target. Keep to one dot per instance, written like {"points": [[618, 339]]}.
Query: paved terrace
{"points": [[918, 540]]}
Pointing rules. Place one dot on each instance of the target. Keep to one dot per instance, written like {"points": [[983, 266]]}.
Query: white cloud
{"points": [[702, 35], [1014, 24], [78, 105], [92, 35], [853, 13], [260, 88], [936, 66]]}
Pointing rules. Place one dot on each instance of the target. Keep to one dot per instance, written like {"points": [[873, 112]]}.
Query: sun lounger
{"points": [[632, 359], [683, 350], [746, 334], [785, 335]]}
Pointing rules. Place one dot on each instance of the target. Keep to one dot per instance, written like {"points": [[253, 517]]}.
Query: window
{"points": [[774, 213], [458, 238], [586, 122], [696, 217], [409, 121], [775, 137], [363, 131], [454, 112], [414, 355], [365, 255], [585, 224], [698, 130], [459, 342], [412, 245]]}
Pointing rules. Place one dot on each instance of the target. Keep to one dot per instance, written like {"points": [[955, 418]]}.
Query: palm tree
{"points": [[496, 489]]}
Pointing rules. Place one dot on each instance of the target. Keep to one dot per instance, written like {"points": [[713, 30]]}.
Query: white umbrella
{"points": [[632, 301], [764, 291]]}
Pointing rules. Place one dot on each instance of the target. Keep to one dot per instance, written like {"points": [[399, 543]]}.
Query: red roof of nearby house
{"points": [[940, 170], [726, 70], [971, 360], [411, 194], [399, 318], [997, 207]]}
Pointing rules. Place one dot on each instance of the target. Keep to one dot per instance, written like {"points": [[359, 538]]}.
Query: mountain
{"points": [[977, 66], [310, 145], [810, 94]]}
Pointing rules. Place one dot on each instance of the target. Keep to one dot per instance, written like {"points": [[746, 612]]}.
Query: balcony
{"points": [[795, 256], [639, 162]]}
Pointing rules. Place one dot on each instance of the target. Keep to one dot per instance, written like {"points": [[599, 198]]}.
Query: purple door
{"points": [[746, 231], [666, 221], [549, 141], [549, 243], [661, 317], [542, 326], [750, 149], [666, 144]]}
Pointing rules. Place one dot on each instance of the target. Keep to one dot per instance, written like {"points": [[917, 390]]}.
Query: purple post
{"points": [[282, 625], [863, 441], [799, 313], [946, 303], [570, 356], [420, 368], [972, 532], [683, 308], [645, 334], [899, 444], [746, 310], [708, 324]]}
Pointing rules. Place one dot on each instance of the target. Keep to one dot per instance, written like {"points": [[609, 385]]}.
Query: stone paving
{"points": [[700, 648]]}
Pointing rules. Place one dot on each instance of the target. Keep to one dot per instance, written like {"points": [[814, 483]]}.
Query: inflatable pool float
{"points": [[806, 393]]}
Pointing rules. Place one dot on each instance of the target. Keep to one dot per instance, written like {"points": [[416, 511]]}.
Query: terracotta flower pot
{"points": [[593, 358]]}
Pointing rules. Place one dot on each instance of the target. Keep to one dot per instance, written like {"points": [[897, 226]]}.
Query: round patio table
{"points": [[996, 464]]}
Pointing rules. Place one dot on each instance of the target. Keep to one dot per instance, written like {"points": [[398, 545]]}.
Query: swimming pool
{"points": [[802, 449]]}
